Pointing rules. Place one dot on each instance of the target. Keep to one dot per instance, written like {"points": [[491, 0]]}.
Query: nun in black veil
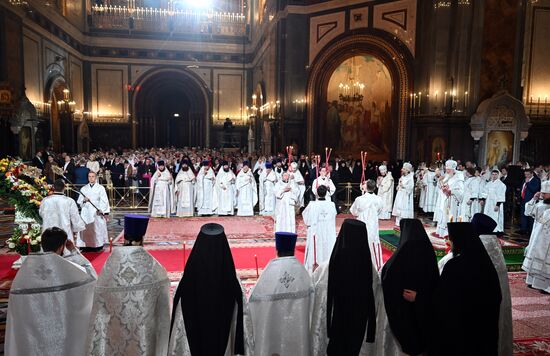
{"points": [[209, 316], [409, 279], [467, 299]]}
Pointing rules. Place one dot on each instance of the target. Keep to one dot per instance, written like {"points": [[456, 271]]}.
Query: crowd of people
{"points": [[343, 307]]}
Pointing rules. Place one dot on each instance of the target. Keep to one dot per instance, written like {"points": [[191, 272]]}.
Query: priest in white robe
{"points": [[484, 227], [267, 182], [470, 199], [492, 200], [347, 298], [210, 315], [430, 185], [320, 219], [247, 192], [224, 192], [131, 309], [161, 196], [49, 308], [537, 254], [385, 191], [452, 188], [297, 177], [185, 190], [286, 193], [61, 211], [403, 207], [204, 197], [281, 303], [325, 180], [367, 208], [95, 211]]}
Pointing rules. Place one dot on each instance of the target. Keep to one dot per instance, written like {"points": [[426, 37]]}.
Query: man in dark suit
{"points": [[38, 161], [68, 169], [117, 173], [530, 187]]}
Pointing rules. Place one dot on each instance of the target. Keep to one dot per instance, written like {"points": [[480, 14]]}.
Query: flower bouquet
{"points": [[23, 187], [25, 240]]}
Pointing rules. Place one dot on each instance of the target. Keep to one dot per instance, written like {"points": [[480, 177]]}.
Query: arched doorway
{"points": [[171, 108], [339, 117]]}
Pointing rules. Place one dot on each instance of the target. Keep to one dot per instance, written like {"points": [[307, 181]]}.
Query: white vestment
{"points": [[430, 184], [95, 234], [49, 308], [470, 199], [185, 189], [320, 218], [179, 344], [450, 204], [131, 310], [285, 213], [247, 193], [537, 258], [384, 343], [280, 306], [385, 192], [267, 192], [494, 193], [367, 208], [535, 209], [60, 211], [421, 184], [224, 193], [161, 196], [204, 197], [79, 260], [301, 183], [327, 182], [403, 207]]}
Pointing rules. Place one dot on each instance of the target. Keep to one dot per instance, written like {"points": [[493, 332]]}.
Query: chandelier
{"points": [[351, 91], [66, 106]]}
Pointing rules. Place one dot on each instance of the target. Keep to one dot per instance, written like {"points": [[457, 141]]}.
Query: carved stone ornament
{"points": [[25, 112]]}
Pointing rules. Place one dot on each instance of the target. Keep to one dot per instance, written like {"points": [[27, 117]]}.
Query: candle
{"points": [[411, 103], [445, 102], [451, 220], [110, 245], [438, 156], [419, 99], [257, 271], [460, 218], [28, 245]]}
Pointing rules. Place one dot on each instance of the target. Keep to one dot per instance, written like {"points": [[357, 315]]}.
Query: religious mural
{"points": [[500, 148], [359, 107]]}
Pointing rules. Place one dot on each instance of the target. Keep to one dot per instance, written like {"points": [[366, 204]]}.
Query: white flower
{"points": [[11, 245], [39, 239], [34, 242]]}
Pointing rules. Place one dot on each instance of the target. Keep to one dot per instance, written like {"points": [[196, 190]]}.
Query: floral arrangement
{"points": [[25, 240], [22, 186]]}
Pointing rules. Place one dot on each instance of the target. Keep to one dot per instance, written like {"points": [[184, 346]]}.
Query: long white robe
{"points": [[470, 202], [384, 343], [161, 196], [403, 207], [494, 193], [298, 179], [285, 214], [204, 197], [79, 260], [179, 344], [49, 308], [320, 218], [535, 209], [224, 193], [280, 306], [95, 234], [537, 258], [385, 192], [422, 186], [431, 189], [185, 193], [131, 309], [327, 182], [450, 204], [267, 192], [247, 193], [367, 208], [60, 211]]}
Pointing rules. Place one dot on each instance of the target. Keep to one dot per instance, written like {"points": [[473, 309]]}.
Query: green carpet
{"points": [[512, 255]]}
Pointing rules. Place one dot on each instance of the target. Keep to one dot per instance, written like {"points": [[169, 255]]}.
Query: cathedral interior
{"points": [[405, 79]]}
